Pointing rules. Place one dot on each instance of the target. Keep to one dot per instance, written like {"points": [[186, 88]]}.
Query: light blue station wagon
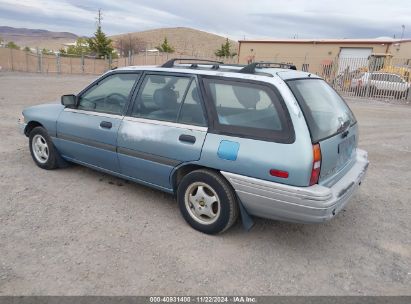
{"points": [[226, 140]]}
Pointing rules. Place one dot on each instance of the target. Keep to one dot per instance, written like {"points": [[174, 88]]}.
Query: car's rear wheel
{"points": [[406, 94], [372, 92], [42, 149], [207, 202]]}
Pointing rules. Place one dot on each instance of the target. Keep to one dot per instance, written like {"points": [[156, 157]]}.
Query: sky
{"points": [[237, 19]]}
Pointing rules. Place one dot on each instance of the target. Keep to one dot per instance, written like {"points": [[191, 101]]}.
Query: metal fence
{"points": [[377, 77], [386, 78], [17, 60]]}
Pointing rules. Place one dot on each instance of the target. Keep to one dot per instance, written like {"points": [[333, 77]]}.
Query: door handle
{"points": [[187, 138], [106, 124]]}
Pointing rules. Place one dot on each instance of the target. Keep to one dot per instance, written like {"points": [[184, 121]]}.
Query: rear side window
{"points": [[169, 98], [395, 78], [325, 111], [248, 109]]}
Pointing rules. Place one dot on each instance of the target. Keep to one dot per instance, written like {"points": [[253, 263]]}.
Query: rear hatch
{"points": [[331, 124]]}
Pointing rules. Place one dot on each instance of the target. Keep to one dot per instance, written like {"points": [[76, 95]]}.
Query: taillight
{"points": [[315, 172]]}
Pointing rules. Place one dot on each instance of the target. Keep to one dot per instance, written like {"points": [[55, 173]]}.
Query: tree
{"points": [[100, 45], [165, 47], [225, 50], [45, 51], [126, 44], [12, 45], [80, 48], [26, 49]]}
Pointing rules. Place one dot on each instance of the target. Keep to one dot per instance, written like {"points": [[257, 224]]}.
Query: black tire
{"points": [[406, 93], [52, 160], [360, 91], [228, 206], [371, 92]]}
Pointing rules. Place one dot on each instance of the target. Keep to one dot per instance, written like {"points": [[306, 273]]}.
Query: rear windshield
{"points": [[325, 111]]}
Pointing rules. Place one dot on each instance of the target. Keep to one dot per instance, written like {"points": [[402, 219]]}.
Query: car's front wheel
{"points": [[207, 202], [42, 149]]}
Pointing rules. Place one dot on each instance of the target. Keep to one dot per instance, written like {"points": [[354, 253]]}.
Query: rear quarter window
{"points": [[325, 111], [248, 109]]}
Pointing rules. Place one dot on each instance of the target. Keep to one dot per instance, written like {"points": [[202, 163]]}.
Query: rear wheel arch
{"points": [[180, 172]]}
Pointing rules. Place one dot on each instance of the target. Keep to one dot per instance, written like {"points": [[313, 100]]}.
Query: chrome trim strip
{"points": [[129, 152], [148, 156], [93, 113], [119, 175], [165, 123], [87, 142]]}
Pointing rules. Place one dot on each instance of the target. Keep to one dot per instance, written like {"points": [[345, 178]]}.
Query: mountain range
{"points": [[185, 41]]}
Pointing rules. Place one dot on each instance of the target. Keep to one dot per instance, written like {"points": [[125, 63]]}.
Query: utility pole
{"points": [[99, 17], [402, 32], [130, 47]]}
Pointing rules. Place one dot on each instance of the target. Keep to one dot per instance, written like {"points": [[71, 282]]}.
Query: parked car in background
{"points": [[264, 140], [376, 83]]}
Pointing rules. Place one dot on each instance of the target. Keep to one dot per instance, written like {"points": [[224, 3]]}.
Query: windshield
{"points": [[325, 111]]}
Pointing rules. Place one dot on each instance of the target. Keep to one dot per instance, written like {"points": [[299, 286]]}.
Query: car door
{"points": [[165, 127], [87, 133], [399, 85], [376, 82], [385, 83]]}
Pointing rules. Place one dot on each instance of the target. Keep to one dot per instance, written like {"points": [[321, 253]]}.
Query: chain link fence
{"points": [[17, 60], [377, 77]]}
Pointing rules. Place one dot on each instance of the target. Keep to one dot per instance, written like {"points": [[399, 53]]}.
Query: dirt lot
{"points": [[75, 231]]}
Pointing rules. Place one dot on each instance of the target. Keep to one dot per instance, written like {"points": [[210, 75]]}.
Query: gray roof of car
{"points": [[226, 71], [292, 74]]}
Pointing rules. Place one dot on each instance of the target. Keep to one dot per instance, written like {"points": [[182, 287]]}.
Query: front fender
{"points": [[45, 114]]}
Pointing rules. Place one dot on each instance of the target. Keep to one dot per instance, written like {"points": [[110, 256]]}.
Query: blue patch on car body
{"points": [[228, 150]]}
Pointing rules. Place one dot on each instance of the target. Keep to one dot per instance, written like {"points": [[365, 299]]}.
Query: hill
{"points": [[186, 41], [36, 37]]}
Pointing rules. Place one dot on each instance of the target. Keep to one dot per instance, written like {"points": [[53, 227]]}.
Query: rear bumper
{"points": [[312, 204]]}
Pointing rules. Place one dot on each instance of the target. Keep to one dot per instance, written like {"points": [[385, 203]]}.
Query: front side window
{"points": [[169, 98], [248, 109], [376, 77], [110, 95], [384, 77]]}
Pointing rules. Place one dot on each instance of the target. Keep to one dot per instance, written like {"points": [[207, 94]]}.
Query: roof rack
{"points": [[170, 63], [250, 69]]}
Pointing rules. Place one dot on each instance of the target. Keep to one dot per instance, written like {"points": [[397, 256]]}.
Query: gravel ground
{"points": [[75, 231]]}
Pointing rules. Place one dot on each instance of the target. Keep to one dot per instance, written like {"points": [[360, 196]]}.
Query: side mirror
{"points": [[68, 100]]}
